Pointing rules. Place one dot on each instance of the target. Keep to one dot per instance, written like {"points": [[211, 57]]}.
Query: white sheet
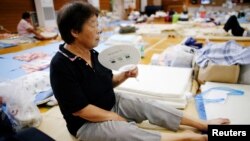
{"points": [[179, 103], [235, 108], [155, 28], [167, 85], [35, 86], [211, 33], [121, 39], [181, 99], [161, 81]]}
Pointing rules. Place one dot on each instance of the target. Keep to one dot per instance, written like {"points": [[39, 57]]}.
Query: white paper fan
{"points": [[122, 57]]}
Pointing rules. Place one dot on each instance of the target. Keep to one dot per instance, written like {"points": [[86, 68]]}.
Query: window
{"points": [[205, 1]]}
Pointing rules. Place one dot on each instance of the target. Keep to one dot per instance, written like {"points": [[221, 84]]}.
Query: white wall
{"points": [[95, 3], [144, 3]]}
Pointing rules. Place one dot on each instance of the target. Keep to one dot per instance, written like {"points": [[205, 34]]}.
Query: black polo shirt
{"points": [[75, 85]]}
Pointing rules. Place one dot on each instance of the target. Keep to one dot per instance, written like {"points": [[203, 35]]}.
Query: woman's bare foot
{"points": [[201, 124], [219, 121], [216, 121]]}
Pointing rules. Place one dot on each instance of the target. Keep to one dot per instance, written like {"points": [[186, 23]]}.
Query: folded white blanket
{"points": [[162, 81], [166, 84]]}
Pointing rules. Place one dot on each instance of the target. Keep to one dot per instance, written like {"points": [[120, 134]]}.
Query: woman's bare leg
{"points": [[183, 136], [201, 124]]}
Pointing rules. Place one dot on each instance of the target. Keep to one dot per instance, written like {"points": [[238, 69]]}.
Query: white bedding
{"points": [[155, 28], [34, 86], [179, 103], [211, 33], [235, 107], [166, 84], [159, 81]]}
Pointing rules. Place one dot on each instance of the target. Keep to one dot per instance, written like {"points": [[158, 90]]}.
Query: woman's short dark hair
{"points": [[72, 16], [26, 15]]}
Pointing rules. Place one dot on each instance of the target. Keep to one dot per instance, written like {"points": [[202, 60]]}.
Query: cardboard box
{"points": [[219, 73]]}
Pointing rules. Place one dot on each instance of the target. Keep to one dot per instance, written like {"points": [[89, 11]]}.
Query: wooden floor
{"points": [[155, 44], [27, 46]]}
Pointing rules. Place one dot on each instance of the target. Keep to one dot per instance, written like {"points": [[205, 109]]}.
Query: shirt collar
{"points": [[72, 57]]}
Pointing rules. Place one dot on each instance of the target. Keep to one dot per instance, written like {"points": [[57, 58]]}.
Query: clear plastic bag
{"points": [[19, 105], [174, 56]]}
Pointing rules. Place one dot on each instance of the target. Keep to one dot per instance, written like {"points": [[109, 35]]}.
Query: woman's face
{"points": [[89, 36]]}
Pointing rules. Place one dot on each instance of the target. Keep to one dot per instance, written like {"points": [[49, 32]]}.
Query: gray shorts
{"points": [[135, 110]]}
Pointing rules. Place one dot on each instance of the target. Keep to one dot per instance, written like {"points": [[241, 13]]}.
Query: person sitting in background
{"points": [[236, 30], [25, 28]]}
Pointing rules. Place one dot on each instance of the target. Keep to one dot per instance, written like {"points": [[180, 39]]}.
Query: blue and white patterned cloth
{"points": [[227, 53]]}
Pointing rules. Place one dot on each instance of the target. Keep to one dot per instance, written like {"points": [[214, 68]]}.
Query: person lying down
{"points": [[232, 25]]}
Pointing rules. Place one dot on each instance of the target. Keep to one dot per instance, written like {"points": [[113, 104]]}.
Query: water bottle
{"points": [[142, 50]]}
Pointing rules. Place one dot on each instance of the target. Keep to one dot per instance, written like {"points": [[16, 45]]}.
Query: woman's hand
{"points": [[121, 77], [132, 73]]}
